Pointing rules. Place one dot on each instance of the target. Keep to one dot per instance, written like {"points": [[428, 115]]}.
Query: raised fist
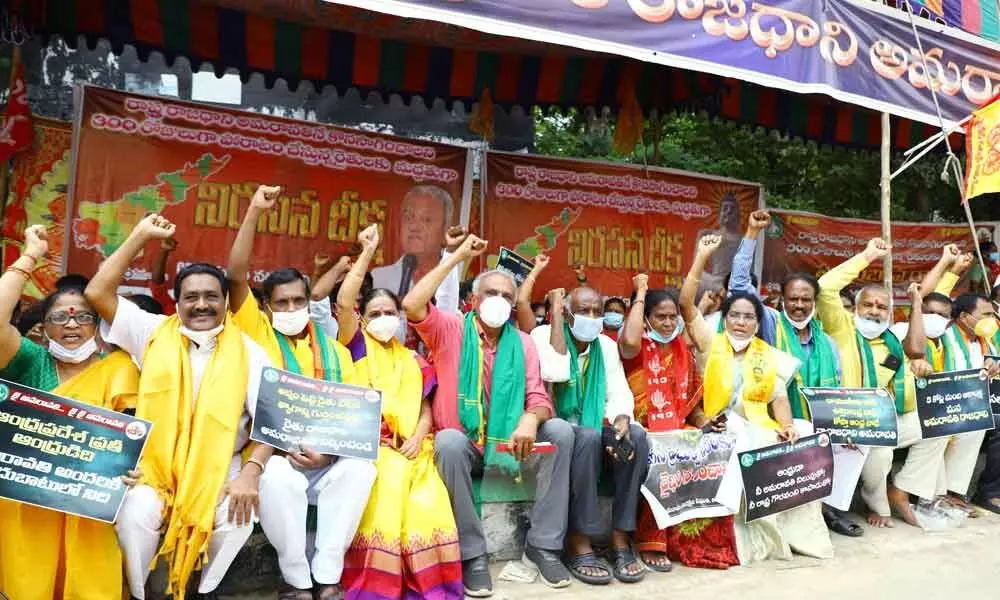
{"points": [[265, 196], [709, 244], [760, 220], [155, 227], [640, 282], [454, 237], [472, 247], [369, 238], [36, 242], [541, 261], [877, 249]]}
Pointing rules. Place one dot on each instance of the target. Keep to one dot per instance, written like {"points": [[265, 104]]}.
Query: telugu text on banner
{"points": [[613, 220], [199, 165], [983, 151]]}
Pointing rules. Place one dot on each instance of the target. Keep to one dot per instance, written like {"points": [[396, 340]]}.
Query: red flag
{"points": [[17, 133]]}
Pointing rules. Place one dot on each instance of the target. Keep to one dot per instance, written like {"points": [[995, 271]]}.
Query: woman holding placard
{"points": [[407, 542], [46, 554]]}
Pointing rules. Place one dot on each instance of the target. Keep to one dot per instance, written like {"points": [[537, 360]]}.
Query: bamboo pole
{"points": [[886, 199]]}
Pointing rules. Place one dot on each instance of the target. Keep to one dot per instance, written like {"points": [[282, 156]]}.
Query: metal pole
{"points": [[886, 197]]}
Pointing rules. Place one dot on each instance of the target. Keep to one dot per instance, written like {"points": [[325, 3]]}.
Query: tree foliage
{"points": [[796, 174]]}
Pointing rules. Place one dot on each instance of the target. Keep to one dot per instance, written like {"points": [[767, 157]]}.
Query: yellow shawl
{"points": [[760, 373], [188, 454], [394, 371], [112, 382]]}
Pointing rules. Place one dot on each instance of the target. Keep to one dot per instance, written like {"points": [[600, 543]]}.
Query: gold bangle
{"points": [[254, 461], [19, 271]]}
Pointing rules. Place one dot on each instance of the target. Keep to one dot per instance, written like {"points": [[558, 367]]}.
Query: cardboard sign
{"points": [[516, 265], [66, 455], [787, 475], [863, 417], [953, 403], [296, 412]]}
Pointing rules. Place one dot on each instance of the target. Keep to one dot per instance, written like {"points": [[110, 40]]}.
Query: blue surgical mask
{"points": [[586, 329], [613, 320], [659, 338]]}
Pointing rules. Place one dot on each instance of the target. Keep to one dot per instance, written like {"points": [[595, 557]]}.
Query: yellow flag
{"points": [[983, 151]]}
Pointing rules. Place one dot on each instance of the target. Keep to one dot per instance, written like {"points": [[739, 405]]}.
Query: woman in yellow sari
{"points": [[407, 543], [46, 554], [745, 383]]}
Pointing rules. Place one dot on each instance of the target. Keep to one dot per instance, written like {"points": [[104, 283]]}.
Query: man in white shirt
{"points": [[592, 393], [183, 468]]}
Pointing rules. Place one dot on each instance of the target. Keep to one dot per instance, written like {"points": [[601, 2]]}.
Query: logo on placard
{"points": [[4, 392], [270, 376], [372, 396], [747, 460], [824, 440], [135, 430], [921, 383]]}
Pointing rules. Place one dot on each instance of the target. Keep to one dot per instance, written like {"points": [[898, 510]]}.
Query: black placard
{"points": [[331, 418], [954, 402], [864, 417], [515, 264], [66, 455], [786, 475]]}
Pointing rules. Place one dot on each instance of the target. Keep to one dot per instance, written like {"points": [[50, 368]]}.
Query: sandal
{"points": [[840, 524], [327, 591], [288, 592], [664, 565], [577, 564], [622, 558]]}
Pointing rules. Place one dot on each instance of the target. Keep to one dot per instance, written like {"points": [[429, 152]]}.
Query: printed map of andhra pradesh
{"points": [[103, 226]]}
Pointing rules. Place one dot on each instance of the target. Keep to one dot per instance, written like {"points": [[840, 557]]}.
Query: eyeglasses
{"points": [[62, 318], [742, 317]]}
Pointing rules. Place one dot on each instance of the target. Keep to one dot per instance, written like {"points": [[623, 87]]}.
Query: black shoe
{"points": [[476, 577], [554, 573]]}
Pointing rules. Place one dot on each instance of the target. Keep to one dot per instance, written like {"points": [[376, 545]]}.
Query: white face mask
{"points": [[586, 329], [494, 311], [935, 325], [868, 328], [800, 325], [738, 344], [383, 328], [73, 356], [202, 338], [290, 323]]}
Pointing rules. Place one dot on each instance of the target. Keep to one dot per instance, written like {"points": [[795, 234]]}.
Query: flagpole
{"points": [[886, 200]]}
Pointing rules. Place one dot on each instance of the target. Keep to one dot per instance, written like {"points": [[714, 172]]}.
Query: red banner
{"points": [[36, 194], [812, 243], [199, 166], [613, 220]]}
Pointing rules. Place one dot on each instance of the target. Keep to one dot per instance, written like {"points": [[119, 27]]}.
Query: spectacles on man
{"points": [[62, 317]]}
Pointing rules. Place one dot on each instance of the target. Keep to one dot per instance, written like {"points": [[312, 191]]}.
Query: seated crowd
{"points": [[489, 385]]}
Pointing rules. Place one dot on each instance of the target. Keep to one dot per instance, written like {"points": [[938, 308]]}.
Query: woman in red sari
{"points": [[663, 375]]}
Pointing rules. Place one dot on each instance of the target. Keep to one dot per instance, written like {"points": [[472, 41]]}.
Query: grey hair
{"points": [[872, 287], [490, 273], [438, 194]]}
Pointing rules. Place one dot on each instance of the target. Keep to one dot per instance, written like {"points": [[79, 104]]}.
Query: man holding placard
{"points": [[299, 478], [193, 462]]}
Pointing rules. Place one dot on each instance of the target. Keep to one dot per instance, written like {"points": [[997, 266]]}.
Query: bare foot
{"points": [[958, 501], [899, 502], [878, 521]]}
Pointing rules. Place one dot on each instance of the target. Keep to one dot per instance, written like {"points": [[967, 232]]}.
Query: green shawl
{"points": [[819, 370], [330, 360], [581, 399], [869, 374], [507, 391]]}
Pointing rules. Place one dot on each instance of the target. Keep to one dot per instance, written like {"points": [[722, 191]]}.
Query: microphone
{"points": [[409, 267]]}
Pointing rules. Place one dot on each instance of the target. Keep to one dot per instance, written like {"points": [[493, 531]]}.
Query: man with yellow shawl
{"points": [[293, 481], [198, 386], [407, 543], [746, 380], [490, 392], [871, 355], [45, 554]]}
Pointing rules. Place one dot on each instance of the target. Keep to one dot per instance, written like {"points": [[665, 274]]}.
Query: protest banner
{"points": [[613, 220], [863, 417], [199, 166], [686, 469], [995, 396], [66, 455], [954, 402], [517, 266], [802, 242], [786, 475], [296, 412], [36, 195]]}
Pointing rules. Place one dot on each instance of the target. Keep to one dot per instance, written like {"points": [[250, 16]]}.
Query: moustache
{"points": [[206, 312]]}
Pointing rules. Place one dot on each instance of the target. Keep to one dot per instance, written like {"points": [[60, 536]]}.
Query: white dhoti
{"points": [[340, 493], [138, 527], [919, 473], [959, 462]]}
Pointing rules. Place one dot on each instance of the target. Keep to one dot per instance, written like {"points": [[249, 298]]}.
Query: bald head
{"points": [[585, 301], [874, 302]]}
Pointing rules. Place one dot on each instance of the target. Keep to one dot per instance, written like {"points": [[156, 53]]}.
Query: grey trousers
{"points": [[989, 482], [458, 460], [589, 460]]}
